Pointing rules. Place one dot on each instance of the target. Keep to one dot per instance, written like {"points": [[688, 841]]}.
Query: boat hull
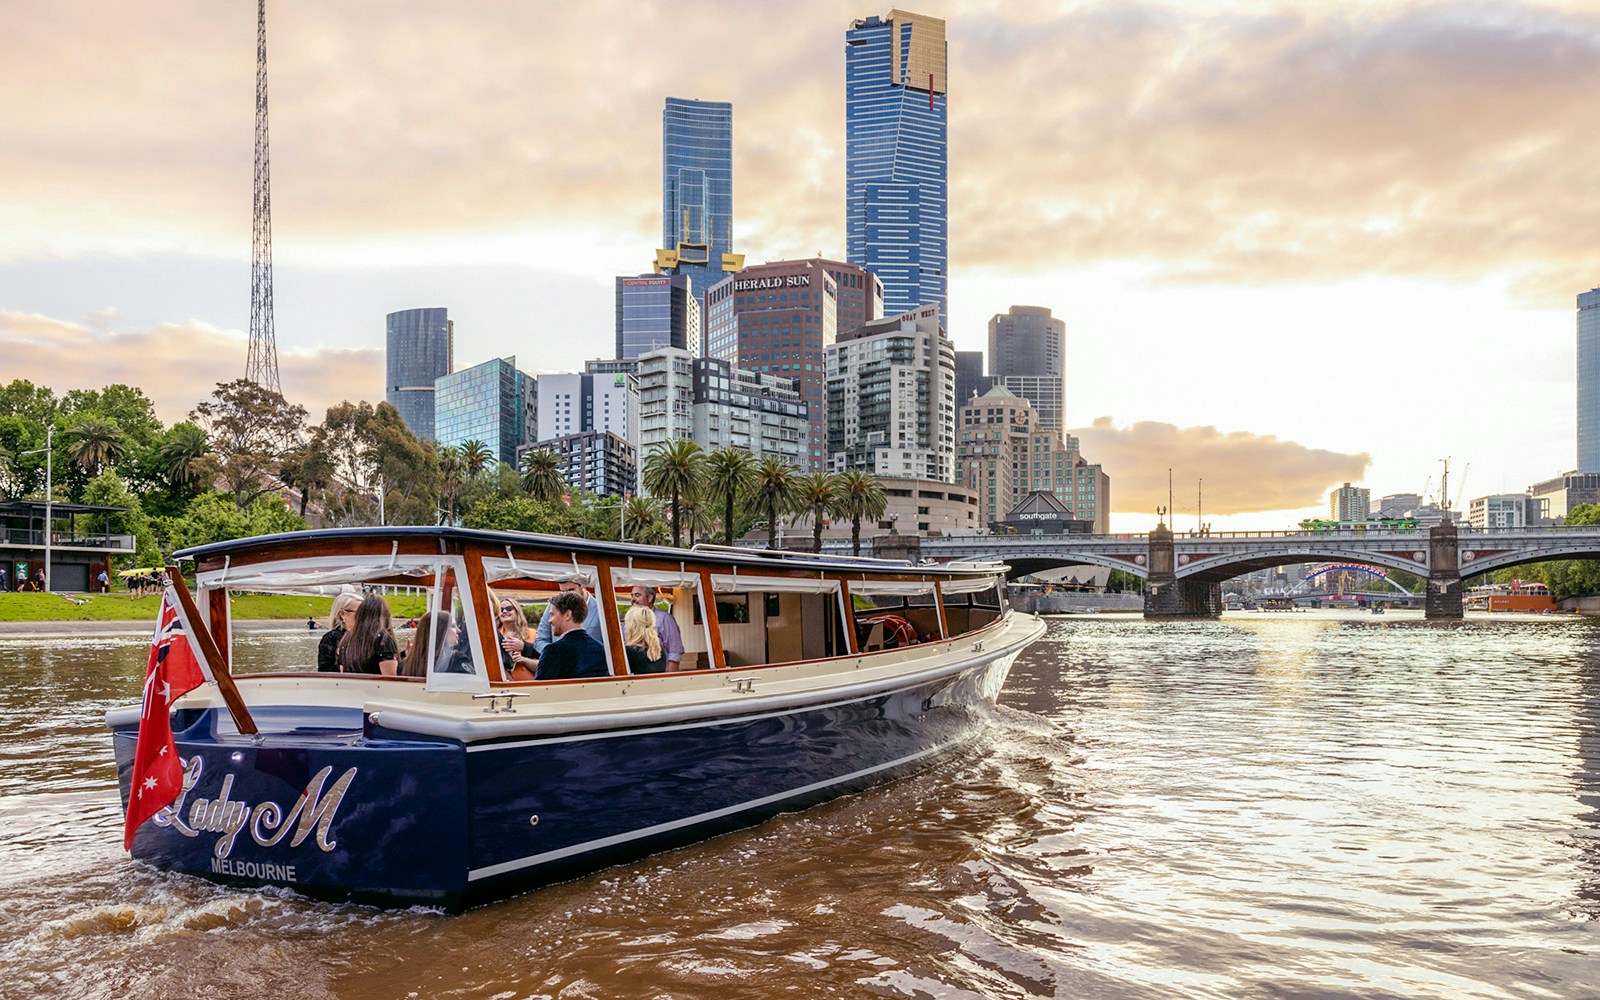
{"points": [[346, 808]]}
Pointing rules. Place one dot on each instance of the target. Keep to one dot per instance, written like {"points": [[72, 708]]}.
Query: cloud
{"points": [[1222, 143], [1242, 473], [175, 364]]}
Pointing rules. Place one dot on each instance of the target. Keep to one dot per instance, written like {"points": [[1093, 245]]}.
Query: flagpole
{"points": [[208, 652]]}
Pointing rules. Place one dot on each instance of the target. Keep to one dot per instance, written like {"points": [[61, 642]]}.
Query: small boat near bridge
{"points": [[803, 678]]}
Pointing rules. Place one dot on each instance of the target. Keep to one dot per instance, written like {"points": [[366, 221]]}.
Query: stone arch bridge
{"points": [[1184, 573]]}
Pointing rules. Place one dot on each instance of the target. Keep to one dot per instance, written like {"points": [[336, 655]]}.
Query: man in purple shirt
{"points": [[666, 626]]}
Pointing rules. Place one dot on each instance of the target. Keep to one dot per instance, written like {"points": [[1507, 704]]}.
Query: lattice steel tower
{"points": [[262, 367]]}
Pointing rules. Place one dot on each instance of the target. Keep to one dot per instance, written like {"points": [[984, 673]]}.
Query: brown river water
{"points": [[1306, 805]]}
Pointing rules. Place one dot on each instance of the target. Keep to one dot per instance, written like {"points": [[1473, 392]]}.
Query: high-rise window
{"points": [[419, 347], [697, 189]]}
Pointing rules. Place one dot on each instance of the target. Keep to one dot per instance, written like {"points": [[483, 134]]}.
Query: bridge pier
{"points": [[1165, 596], [1444, 573]]}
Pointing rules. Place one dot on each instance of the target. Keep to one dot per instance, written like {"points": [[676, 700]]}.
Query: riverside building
{"points": [[1027, 349], [656, 311], [493, 403], [1589, 381], [718, 405], [1004, 455], [597, 461], [891, 402], [1350, 503], [697, 194], [419, 347], [896, 156], [779, 318]]}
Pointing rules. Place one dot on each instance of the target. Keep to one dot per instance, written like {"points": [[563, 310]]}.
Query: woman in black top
{"points": [[368, 647], [642, 642], [344, 608]]}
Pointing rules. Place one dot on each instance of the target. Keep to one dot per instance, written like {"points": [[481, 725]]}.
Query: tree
{"points": [[673, 469], [452, 470], [215, 517], [124, 405], [476, 455], [180, 456], [644, 522], [250, 428], [541, 474], [108, 490], [94, 443], [860, 496], [729, 473], [774, 493], [819, 493]]}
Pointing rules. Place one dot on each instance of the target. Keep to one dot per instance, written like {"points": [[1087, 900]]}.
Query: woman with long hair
{"points": [[339, 617], [642, 642], [369, 647], [516, 645], [434, 641]]}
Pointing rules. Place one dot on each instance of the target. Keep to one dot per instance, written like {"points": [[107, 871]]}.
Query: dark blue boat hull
{"points": [[439, 823]]}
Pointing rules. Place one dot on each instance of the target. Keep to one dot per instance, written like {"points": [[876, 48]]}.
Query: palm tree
{"points": [[819, 493], [541, 474], [475, 455], [452, 469], [181, 454], [673, 469], [643, 520], [96, 442], [860, 496], [774, 492], [729, 472]]}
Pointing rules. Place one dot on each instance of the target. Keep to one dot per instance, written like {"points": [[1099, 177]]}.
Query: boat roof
{"points": [[710, 554]]}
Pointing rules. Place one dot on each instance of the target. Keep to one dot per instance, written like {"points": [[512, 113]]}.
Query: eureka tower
{"points": [[896, 157]]}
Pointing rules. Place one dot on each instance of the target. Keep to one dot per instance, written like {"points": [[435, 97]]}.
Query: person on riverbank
{"points": [[339, 617], [369, 646]]}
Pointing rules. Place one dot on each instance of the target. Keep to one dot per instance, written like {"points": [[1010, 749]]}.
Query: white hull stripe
{"points": [[727, 720], [650, 831]]}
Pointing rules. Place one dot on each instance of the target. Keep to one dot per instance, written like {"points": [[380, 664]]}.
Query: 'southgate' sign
{"points": [[266, 822]]}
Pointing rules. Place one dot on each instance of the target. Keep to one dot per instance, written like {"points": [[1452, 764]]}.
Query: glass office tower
{"points": [[697, 193], [420, 348], [896, 156], [1589, 381], [493, 403], [656, 311], [1027, 348]]}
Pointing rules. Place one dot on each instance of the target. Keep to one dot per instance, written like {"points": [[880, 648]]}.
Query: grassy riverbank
{"points": [[121, 607]]}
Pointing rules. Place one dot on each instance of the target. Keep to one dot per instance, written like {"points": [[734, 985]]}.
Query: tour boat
{"points": [[803, 678]]}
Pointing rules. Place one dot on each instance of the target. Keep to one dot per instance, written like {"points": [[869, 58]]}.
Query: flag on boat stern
{"points": [[171, 673]]}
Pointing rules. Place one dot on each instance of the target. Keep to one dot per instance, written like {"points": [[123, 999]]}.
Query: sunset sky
{"points": [[1293, 244]]}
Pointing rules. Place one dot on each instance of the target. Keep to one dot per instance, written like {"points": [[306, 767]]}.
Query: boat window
{"points": [[678, 594], [451, 657], [774, 619], [972, 603]]}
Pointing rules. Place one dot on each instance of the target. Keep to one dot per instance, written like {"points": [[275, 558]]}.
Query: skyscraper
{"points": [[1589, 381], [697, 193], [656, 311], [1026, 350], [494, 403], [419, 349], [896, 156]]}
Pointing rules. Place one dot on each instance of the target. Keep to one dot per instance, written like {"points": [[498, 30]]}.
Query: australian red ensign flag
{"points": [[171, 673]]}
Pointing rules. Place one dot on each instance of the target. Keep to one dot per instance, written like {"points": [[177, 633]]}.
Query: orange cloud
{"points": [[1243, 473], [175, 364]]}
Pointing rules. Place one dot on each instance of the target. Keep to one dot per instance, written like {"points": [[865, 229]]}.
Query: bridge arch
{"points": [[1353, 567], [1227, 565], [1588, 548], [1023, 565]]}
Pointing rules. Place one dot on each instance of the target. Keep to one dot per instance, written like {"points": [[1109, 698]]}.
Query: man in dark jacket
{"points": [[574, 653]]}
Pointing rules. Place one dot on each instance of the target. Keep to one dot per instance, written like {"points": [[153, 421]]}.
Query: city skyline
{"points": [[1291, 246]]}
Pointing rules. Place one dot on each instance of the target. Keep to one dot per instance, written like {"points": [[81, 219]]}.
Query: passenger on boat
{"points": [[574, 652], [572, 584], [437, 640], [339, 617], [666, 626], [369, 647], [646, 653], [515, 648]]}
